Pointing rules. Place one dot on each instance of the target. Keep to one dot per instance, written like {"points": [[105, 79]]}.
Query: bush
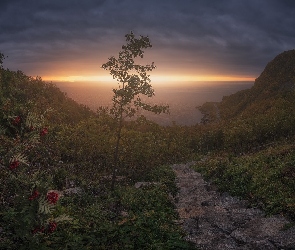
{"points": [[266, 178]]}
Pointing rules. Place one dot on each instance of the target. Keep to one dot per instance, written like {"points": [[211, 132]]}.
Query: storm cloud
{"points": [[228, 36]]}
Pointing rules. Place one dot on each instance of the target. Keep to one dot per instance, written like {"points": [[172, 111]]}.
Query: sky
{"points": [[69, 40]]}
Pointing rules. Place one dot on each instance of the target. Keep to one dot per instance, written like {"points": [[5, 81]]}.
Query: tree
{"points": [[133, 83], [1, 59]]}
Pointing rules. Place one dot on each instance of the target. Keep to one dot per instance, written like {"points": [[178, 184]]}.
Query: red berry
{"points": [[44, 131], [16, 120], [14, 164], [34, 195], [52, 227], [52, 197]]}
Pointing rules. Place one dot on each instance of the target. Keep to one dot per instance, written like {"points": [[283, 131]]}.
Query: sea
{"points": [[182, 98]]}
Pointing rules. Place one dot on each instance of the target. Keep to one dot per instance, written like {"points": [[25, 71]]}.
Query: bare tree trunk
{"points": [[116, 153]]}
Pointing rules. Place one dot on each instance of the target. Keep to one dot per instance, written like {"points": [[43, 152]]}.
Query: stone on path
{"points": [[218, 221]]}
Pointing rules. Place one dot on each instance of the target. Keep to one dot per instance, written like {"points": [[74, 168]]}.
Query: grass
{"points": [[131, 218], [128, 218]]}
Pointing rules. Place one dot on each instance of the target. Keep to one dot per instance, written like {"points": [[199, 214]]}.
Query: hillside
{"points": [[20, 93], [55, 166], [55, 162], [248, 139], [274, 88], [263, 113]]}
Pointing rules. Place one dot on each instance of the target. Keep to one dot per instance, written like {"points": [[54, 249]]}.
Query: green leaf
{"points": [[21, 158], [63, 218], [44, 206]]}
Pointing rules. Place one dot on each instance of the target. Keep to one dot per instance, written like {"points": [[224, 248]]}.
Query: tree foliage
{"points": [[133, 83], [133, 79]]}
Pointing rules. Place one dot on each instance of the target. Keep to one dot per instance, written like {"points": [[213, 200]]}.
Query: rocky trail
{"points": [[214, 220]]}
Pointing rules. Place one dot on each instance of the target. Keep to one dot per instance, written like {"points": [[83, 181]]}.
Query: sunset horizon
{"points": [[191, 40], [154, 78]]}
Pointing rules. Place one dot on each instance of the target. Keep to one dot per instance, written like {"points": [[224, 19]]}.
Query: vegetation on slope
{"points": [[51, 146], [265, 178], [246, 147], [253, 142]]}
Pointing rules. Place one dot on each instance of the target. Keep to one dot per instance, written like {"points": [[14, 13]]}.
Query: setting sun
{"points": [[155, 78]]}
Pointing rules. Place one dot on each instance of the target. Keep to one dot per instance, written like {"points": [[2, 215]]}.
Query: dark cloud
{"points": [[235, 37]]}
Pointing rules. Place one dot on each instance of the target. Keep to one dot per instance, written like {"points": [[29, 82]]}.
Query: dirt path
{"points": [[214, 220]]}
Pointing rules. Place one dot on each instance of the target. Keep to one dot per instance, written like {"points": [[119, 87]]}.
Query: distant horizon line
{"points": [[92, 81], [155, 78], [156, 83]]}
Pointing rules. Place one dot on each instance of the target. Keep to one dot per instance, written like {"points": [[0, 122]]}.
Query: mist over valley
{"points": [[181, 98]]}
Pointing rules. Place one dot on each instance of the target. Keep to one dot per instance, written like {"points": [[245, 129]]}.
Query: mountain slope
{"points": [[273, 88], [251, 146], [19, 93]]}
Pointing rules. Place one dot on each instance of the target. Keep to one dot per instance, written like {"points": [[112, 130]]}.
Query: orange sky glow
{"points": [[171, 67], [165, 72], [156, 78]]}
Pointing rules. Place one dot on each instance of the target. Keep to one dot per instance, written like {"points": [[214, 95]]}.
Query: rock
{"points": [[285, 239], [214, 220]]}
